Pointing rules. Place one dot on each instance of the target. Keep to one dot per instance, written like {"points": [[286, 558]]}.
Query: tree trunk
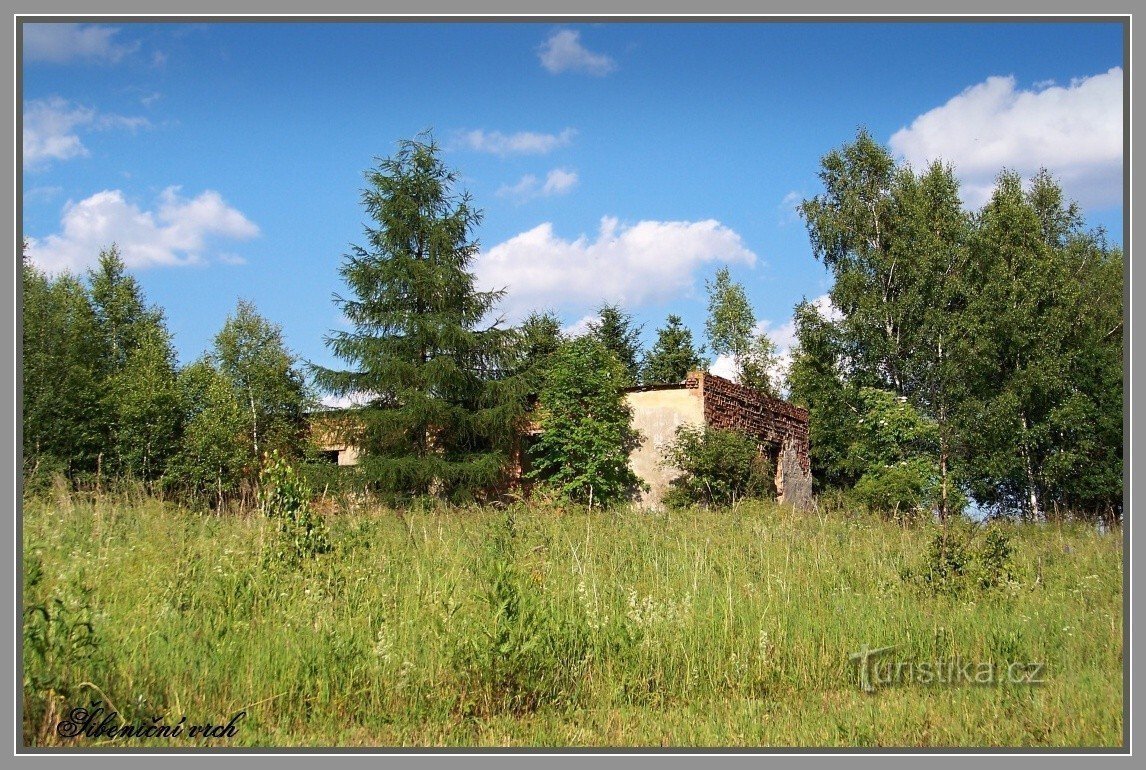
{"points": [[254, 422], [1032, 487]]}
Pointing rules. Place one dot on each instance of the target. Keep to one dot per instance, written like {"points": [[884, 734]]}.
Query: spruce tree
{"points": [[614, 328], [441, 415], [673, 355]]}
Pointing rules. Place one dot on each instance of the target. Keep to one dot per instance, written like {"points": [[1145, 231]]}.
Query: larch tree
{"points": [[442, 414]]}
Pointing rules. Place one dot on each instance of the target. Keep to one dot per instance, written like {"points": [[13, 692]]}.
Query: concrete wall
{"points": [[657, 414], [329, 434]]}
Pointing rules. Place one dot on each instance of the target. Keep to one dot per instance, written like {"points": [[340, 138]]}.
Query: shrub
{"points": [[525, 654], [957, 558], [718, 467], [586, 426], [285, 499]]}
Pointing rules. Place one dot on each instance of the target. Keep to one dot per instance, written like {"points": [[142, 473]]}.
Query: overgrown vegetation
{"points": [[543, 627], [586, 435], [717, 467], [285, 499]]}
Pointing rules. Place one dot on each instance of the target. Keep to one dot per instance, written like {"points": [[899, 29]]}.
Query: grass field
{"points": [[542, 627]]}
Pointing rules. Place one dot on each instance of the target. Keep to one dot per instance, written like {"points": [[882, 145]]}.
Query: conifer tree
{"points": [[673, 355], [614, 328], [441, 414]]}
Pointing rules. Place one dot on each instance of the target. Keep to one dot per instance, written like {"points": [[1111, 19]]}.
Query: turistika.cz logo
{"points": [[876, 670]]}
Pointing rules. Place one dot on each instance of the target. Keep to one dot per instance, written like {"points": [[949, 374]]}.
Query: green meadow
{"points": [[538, 625]]}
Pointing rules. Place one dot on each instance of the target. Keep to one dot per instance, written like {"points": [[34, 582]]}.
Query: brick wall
{"points": [[770, 420]]}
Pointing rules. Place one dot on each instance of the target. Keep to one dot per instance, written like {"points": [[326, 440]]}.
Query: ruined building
{"points": [[779, 428]]}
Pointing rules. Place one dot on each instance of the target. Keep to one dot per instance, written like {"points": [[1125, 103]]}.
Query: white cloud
{"points": [[725, 367], [1074, 131], [175, 233], [789, 208], [52, 125], [647, 262], [557, 182], [346, 402], [521, 143], [563, 52], [64, 43], [580, 327]]}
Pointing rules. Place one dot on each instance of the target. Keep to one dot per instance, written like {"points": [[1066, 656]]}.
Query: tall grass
{"points": [[548, 627]]}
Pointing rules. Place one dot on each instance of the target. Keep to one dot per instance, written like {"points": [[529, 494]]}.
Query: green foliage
{"points": [[615, 330], [442, 417], [121, 312], [213, 457], [249, 351], [285, 499], [673, 355], [758, 366], [140, 395], [1003, 327], [817, 382], [730, 318], [893, 454], [144, 406], [959, 558], [718, 468], [526, 653], [63, 421], [730, 321], [1042, 423], [586, 431], [539, 336]]}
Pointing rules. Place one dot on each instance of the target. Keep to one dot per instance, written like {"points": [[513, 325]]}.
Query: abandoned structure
{"points": [[779, 428]]}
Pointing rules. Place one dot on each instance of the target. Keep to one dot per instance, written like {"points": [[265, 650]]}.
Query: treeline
{"points": [[971, 354], [104, 400], [967, 358]]}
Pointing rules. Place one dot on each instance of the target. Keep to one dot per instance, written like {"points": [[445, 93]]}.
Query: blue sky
{"points": [[613, 161]]}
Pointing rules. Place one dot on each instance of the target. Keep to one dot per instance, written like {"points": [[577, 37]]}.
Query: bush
{"points": [[957, 558], [718, 467], [285, 499]]}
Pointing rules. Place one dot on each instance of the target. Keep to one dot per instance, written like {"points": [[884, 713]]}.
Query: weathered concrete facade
{"points": [[780, 429], [657, 413], [329, 432]]}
